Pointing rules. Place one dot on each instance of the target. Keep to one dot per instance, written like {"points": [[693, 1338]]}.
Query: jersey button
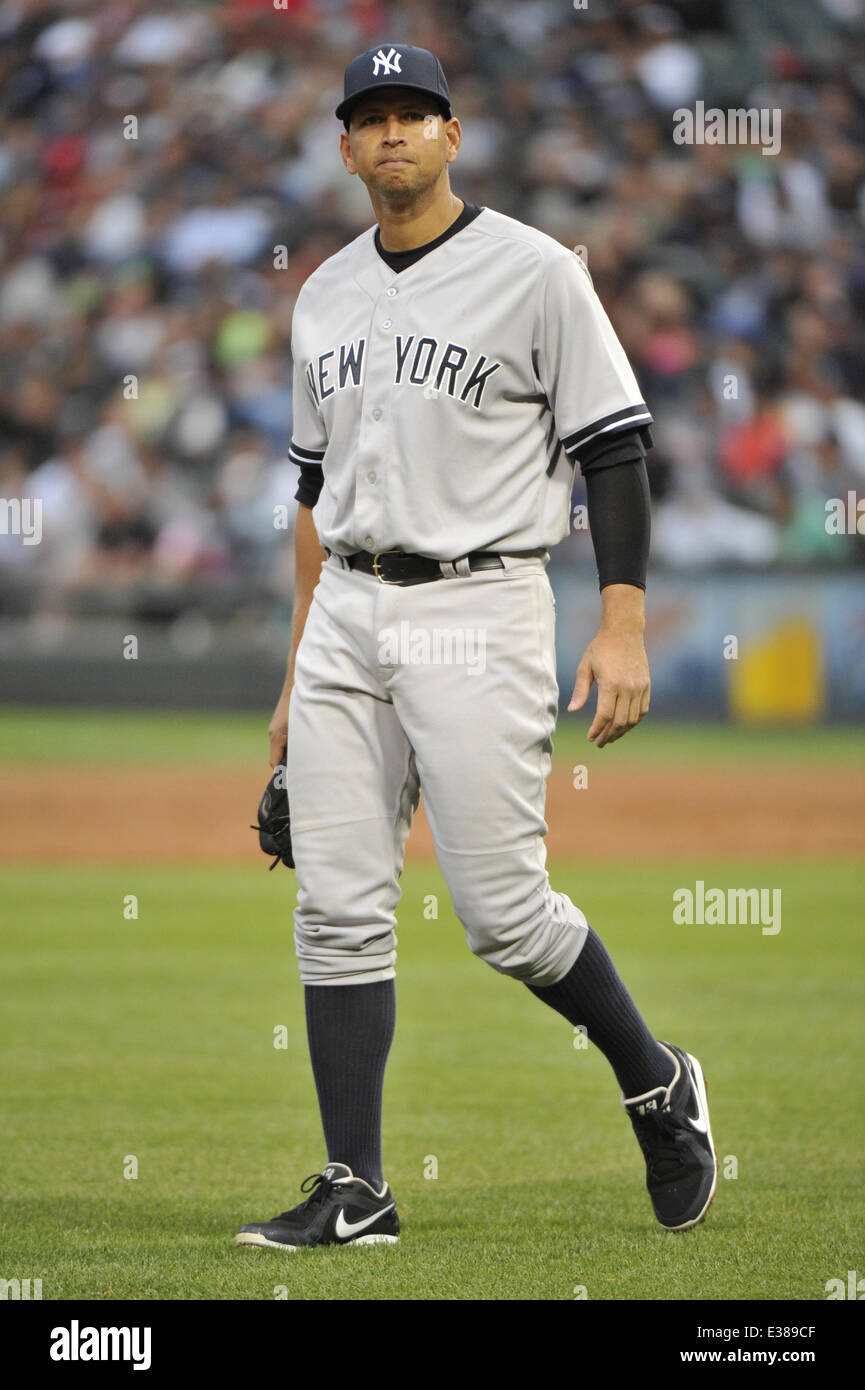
{"points": [[392, 291], [370, 477], [386, 323], [368, 542], [376, 414]]}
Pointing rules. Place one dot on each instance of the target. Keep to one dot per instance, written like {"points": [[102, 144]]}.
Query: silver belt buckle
{"points": [[375, 569]]}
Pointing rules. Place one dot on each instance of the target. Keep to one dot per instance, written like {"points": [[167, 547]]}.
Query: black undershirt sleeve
{"points": [[310, 484], [618, 504], [617, 499], [607, 450]]}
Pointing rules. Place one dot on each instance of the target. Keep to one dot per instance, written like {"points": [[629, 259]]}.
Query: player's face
{"points": [[399, 145]]}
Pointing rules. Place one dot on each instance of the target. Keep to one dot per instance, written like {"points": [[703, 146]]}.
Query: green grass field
{"points": [[39, 736], [154, 1038]]}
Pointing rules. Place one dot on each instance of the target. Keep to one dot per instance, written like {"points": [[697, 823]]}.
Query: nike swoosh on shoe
{"points": [[701, 1123], [346, 1228]]}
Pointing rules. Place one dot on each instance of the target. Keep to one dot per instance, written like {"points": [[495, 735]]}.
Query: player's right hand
{"points": [[277, 730]]}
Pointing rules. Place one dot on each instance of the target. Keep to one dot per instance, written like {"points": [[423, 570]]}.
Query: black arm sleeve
{"points": [[310, 484], [619, 512], [608, 450]]}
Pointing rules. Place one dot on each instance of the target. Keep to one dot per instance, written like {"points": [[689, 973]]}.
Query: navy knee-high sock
{"points": [[594, 995], [350, 1029]]}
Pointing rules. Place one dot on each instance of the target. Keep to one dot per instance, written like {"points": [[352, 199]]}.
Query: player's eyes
{"points": [[407, 115]]}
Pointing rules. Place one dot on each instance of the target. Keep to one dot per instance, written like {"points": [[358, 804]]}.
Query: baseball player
{"points": [[451, 367]]}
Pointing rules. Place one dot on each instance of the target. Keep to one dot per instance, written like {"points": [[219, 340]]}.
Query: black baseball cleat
{"points": [[341, 1210], [672, 1126]]}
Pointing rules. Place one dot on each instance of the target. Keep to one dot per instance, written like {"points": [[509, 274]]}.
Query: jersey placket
{"points": [[375, 440]]}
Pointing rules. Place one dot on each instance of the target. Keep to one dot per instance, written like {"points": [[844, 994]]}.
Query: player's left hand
{"points": [[616, 661]]}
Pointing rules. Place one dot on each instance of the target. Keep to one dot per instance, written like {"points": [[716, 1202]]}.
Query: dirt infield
{"points": [[200, 816]]}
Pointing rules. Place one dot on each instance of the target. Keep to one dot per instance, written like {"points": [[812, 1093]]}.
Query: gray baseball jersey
{"points": [[447, 405]]}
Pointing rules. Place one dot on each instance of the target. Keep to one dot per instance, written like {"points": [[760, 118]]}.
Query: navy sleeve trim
{"points": [[297, 454], [609, 424], [610, 449]]}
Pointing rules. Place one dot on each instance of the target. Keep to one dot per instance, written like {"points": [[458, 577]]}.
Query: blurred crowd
{"points": [[169, 176]]}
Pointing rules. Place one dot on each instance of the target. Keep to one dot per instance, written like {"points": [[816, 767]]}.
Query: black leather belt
{"points": [[400, 567]]}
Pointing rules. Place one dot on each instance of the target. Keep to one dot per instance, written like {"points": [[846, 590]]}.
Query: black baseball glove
{"points": [[274, 822]]}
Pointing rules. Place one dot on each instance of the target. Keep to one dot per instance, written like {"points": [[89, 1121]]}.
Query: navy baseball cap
{"points": [[394, 65]]}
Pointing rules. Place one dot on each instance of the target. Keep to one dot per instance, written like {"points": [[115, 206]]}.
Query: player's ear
{"points": [[453, 135], [345, 151]]}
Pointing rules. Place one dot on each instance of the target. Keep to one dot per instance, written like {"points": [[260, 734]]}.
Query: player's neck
{"points": [[403, 229]]}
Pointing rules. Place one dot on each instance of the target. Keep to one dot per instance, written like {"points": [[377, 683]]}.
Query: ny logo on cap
{"points": [[386, 63]]}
